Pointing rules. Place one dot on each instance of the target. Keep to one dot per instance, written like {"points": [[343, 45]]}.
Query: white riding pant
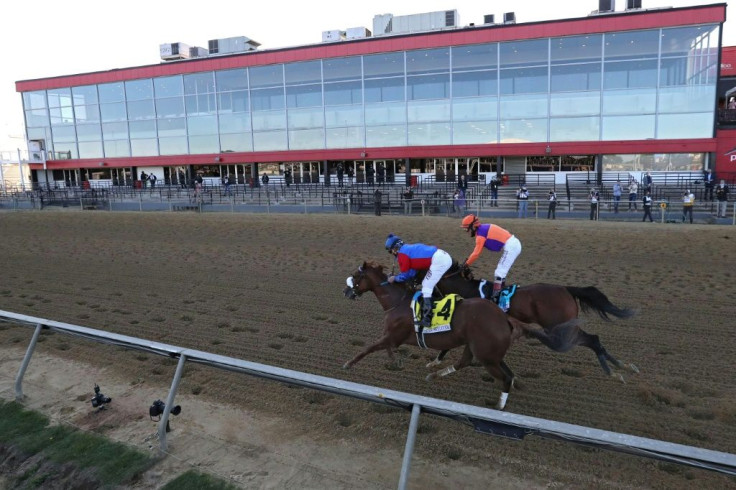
{"points": [[511, 250], [441, 263]]}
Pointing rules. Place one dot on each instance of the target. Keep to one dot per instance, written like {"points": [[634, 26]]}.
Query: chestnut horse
{"points": [[477, 324], [547, 305]]}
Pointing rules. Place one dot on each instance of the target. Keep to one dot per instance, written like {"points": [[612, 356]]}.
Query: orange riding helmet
{"points": [[471, 221]]}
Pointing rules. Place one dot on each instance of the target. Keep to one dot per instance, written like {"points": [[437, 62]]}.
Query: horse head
{"points": [[366, 278]]}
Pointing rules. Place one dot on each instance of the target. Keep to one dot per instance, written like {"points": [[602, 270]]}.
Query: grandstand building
{"points": [[421, 97]]}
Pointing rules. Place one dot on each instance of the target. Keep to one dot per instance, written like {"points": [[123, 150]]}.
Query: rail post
{"points": [[409, 448], [24, 364], [163, 423]]}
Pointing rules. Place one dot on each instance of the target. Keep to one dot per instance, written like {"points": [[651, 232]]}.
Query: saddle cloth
{"points": [[442, 311]]}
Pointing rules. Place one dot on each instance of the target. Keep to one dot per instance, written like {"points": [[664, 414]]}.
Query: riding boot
{"points": [[426, 313], [497, 286]]}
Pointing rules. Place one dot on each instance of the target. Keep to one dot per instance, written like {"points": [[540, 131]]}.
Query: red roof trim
{"points": [[705, 145], [619, 21]]}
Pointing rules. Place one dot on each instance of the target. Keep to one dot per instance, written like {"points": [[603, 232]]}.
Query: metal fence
{"points": [[481, 419]]}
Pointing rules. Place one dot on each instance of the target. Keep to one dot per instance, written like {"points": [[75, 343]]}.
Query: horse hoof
{"points": [[620, 377], [433, 363], [346, 365], [633, 368], [430, 377]]}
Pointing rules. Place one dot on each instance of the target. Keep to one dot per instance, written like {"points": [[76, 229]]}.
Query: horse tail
{"points": [[591, 298], [560, 338]]}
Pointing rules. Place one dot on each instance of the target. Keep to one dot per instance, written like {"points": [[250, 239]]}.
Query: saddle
{"points": [[485, 288]]}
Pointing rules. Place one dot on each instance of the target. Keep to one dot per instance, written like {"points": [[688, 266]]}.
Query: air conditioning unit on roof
{"points": [[174, 51]]}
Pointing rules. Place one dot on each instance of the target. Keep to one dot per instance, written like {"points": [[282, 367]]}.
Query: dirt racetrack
{"points": [[268, 288]]}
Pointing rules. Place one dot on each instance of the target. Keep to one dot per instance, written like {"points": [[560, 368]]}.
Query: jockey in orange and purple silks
{"points": [[493, 238], [418, 257]]}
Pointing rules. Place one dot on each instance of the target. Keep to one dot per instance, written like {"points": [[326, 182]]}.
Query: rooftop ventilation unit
{"points": [[174, 51], [333, 36], [509, 18], [357, 33], [231, 45], [488, 19], [606, 5], [197, 52], [405, 24], [633, 4]]}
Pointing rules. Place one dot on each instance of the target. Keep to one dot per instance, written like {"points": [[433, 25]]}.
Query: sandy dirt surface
{"points": [[269, 289]]}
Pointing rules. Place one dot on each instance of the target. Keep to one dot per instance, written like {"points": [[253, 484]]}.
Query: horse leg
{"points": [[464, 361], [438, 360], [593, 342], [502, 373], [396, 361], [382, 343]]}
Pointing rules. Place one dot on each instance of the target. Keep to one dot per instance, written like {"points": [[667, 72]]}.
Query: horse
{"points": [[485, 331], [547, 305]]}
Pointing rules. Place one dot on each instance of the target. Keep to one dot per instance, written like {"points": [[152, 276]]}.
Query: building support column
{"points": [[407, 171], [254, 174], [326, 172]]}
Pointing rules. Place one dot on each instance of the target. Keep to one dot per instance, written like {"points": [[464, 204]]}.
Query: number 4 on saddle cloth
{"points": [[442, 311], [504, 299]]}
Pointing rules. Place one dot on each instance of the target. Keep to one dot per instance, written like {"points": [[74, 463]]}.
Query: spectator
{"points": [[287, 176], [722, 197], [408, 197], [350, 174], [152, 178], [496, 239], [732, 103], [494, 191], [648, 182], [594, 197], [458, 201], [369, 173], [182, 179], [377, 202], [144, 179], [522, 196], [647, 205], [552, 198], [688, 200], [198, 185], [381, 174], [226, 183], [462, 183], [633, 190], [264, 179], [617, 190], [340, 170], [710, 181]]}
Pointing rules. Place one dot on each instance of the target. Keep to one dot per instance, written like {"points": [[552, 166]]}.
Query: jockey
{"points": [[418, 257], [494, 238]]}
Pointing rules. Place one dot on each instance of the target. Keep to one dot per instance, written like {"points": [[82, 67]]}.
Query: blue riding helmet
{"points": [[393, 241]]}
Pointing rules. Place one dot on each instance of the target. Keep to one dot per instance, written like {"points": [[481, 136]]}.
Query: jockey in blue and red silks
{"points": [[416, 257]]}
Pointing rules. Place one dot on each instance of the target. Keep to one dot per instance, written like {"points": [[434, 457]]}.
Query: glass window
{"points": [[420, 134], [628, 128], [176, 145], [70, 148], [117, 148], [61, 115], [267, 99], [643, 101], [232, 79], [306, 118], [473, 84], [139, 89], [385, 113], [266, 76], [685, 126], [630, 74], [60, 97], [475, 57], [523, 130], [89, 132], [234, 123], [347, 137], [233, 101], [111, 92], [524, 53], [115, 131], [170, 107], [427, 61], [87, 113], [200, 104], [342, 116], [523, 80], [270, 141], [682, 71], [343, 93], [168, 86], [688, 41], [303, 72], [37, 117], [170, 127], [428, 110], [573, 78], [34, 100], [269, 120], [384, 90], [387, 135], [340, 69], [428, 87], [475, 109], [64, 134], [574, 129], [306, 139], [202, 125], [204, 144], [686, 99], [90, 149], [524, 106], [631, 45], [141, 109], [236, 142], [576, 49], [85, 95], [142, 129], [199, 83], [575, 104], [304, 95], [474, 132], [383, 65]]}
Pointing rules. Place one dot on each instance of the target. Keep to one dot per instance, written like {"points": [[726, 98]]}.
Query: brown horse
{"points": [[547, 305], [477, 324]]}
